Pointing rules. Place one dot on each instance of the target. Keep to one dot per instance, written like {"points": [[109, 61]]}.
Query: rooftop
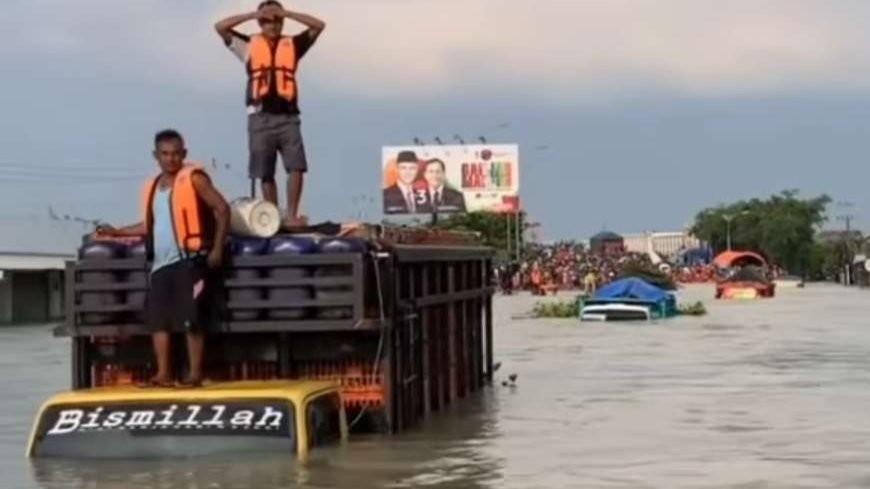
{"points": [[18, 260]]}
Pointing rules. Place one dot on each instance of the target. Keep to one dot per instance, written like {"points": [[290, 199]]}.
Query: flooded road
{"points": [[772, 394]]}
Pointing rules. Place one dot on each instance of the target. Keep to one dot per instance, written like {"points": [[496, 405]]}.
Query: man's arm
{"points": [[313, 23], [137, 229], [218, 205], [225, 27]]}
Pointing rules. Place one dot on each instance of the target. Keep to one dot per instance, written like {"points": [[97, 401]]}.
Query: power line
{"points": [[63, 180], [71, 167]]}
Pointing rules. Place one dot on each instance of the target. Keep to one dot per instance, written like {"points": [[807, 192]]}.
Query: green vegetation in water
{"points": [[559, 309], [696, 309]]}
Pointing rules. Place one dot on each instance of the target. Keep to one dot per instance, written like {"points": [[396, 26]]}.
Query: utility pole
{"points": [[846, 217], [728, 218]]}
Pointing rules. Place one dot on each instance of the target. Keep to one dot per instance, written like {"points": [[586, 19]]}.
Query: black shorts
{"points": [[181, 298], [269, 135]]}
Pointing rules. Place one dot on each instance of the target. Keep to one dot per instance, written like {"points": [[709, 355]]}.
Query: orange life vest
{"points": [[189, 218], [267, 61]]}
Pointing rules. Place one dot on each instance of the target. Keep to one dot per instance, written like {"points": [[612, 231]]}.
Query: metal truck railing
{"points": [[406, 331]]}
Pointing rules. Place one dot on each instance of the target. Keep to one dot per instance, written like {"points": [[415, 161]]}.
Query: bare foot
{"points": [[296, 222], [158, 381], [191, 381]]}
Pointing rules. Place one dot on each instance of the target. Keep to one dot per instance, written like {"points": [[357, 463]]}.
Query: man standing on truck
{"points": [[185, 221], [272, 97]]}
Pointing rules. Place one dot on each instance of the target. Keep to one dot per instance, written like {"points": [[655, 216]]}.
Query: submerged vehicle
{"points": [[789, 282], [128, 422], [742, 275], [381, 326], [628, 299]]}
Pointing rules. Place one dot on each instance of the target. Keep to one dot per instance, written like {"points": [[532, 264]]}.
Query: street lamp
{"points": [[728, 218]]}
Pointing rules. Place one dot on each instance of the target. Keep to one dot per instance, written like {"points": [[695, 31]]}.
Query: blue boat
{"points": [[628, 299]]}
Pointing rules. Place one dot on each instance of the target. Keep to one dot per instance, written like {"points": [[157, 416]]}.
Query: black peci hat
{"points": [[407, 157]]}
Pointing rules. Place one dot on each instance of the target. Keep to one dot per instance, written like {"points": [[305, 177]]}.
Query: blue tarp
{"points": [[632, 288], [696, 256]]}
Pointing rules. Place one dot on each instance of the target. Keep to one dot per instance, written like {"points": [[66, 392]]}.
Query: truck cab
{"points": [[282, 416]]}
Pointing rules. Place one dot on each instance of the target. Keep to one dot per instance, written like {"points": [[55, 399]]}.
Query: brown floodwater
{"points": [[772, 394]]}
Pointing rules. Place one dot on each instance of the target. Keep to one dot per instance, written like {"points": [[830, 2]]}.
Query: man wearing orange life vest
{"points": [[185, 221], [272, 96]]}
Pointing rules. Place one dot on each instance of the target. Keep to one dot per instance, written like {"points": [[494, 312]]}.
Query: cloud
{"points": [[562, 49]]}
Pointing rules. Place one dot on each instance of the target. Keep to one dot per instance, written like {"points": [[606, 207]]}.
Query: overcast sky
{"points": [[630, 114]]}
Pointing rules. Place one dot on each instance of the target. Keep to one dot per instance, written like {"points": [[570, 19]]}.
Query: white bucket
{"points": [[254, 218]]}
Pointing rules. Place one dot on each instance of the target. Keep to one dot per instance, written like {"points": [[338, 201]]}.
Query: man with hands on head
{"points": [[271, 95]]}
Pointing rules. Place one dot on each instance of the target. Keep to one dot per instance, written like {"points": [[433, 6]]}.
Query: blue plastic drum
{"points": [[100, 251], [337, 245], [137, 298], [246, 247], [290, 246]]}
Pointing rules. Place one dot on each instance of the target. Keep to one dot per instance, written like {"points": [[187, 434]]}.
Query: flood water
{"points": [[772, 394]]}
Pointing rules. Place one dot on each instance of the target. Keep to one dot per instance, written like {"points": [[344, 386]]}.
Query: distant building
{"points": [[31, 287], [607, 243], [833, 236], [666, 244]]}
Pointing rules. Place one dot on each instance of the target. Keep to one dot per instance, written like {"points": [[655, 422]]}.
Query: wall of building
{"points": [[55, 295], [31, 297], [6, 298], [665, 244]]}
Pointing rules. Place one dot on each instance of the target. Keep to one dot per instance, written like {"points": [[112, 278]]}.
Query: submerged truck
{"points": [[319, 336]]}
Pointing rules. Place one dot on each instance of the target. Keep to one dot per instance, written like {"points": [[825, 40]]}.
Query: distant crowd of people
{"points": [[572, 266]]}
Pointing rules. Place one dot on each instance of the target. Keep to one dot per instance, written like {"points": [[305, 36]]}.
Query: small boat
{"points": [[628, 299], [744, 290], [744, 275]]}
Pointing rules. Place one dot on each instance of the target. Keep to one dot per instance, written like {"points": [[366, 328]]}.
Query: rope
{"points": [[383, 317]]}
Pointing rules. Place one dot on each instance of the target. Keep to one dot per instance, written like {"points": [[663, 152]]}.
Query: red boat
{"points": [[742, 275]]}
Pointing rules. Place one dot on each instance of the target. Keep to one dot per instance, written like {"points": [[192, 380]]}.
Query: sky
{"points": [[631, 115]]}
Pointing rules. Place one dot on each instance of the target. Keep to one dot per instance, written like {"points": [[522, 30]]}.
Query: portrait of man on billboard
{"points": [[440, 197], [403, 197]]}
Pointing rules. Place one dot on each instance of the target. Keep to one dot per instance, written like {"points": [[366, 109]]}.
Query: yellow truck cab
{"points": [[129, 422]]}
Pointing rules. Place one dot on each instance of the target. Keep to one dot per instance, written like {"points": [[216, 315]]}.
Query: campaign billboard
{"points": [[450, 178]]}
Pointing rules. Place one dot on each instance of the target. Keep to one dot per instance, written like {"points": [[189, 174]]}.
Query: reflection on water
{"points": [[755, 395]]}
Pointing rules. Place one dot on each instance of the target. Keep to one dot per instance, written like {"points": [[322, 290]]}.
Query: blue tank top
{"points": [[166, 251]]}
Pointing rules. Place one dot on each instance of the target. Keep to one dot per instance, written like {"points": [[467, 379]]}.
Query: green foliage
{"points": [[559, 309], [491, 227], [648, 273], [782, 228], [696, 309], [828, 258]]}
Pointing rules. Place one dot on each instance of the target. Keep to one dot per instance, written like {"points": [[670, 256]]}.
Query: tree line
{"points": [[784, 228]]}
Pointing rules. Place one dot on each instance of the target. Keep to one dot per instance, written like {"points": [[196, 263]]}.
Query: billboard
{"points": [[450, 179]]}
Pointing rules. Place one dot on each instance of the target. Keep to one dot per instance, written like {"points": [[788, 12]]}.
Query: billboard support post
{"points": [[507, 238], [519, 231]]}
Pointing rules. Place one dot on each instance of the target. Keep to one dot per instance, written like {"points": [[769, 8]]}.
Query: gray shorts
{"points": [[269, 134]]}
